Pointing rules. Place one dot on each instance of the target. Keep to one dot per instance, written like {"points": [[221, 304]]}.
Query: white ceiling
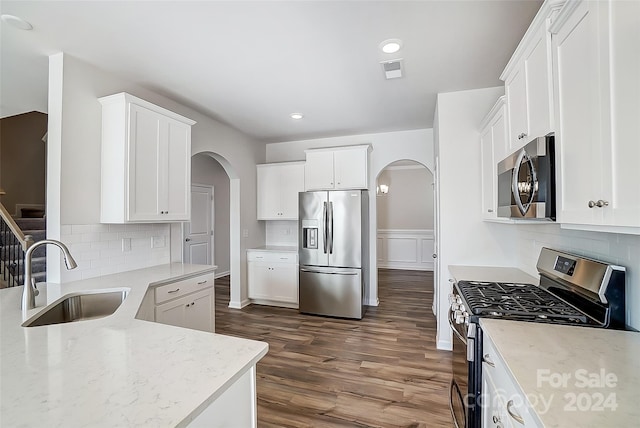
{"points": [[252, 63]]}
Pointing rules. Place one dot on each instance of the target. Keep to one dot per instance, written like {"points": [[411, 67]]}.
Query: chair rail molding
{"points": [[406, 249]]}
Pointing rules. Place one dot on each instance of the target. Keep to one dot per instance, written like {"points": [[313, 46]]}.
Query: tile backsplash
{"points": [[281, 232], [103, 249], [619, 249]]}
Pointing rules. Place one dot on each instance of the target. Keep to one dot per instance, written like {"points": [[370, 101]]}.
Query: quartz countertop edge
{"points": [[532, 352], [116, 370], [491, 274]]}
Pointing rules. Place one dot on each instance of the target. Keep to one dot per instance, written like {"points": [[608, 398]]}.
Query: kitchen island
{"points": [[119, 370]]}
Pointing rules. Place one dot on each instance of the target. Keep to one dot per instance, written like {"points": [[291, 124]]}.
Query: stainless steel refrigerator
{"points": [[333, 250]]}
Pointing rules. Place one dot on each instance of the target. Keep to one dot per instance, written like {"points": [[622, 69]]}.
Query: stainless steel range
{"points": [[573, 290]]}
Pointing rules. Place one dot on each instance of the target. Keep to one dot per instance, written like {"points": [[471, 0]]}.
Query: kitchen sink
{"points": [[79, 307]]}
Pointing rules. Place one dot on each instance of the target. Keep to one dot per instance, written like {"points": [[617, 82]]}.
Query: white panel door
{"points": [[198, 242], [269, 192], [292, 183], [487, 173], [516, 91], [537, 66]]}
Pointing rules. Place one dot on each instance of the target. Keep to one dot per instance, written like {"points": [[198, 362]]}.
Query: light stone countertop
{"points": [[116, 370], [590, 376], [491, 274], [276, 248]]}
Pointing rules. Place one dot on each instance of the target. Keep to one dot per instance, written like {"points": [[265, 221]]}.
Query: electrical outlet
{"points": [[157, 242], [126, 245]]}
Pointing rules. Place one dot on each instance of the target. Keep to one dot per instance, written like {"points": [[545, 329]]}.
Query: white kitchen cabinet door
{"points": [[318, 170], [268, 192], [493, 136], [193, 311], [350, 168], [273, 277], [579, 134], [528, 83], [278, 188], [516, 93], [338, 168], [597, 106], [146, 162], [539, 85]]}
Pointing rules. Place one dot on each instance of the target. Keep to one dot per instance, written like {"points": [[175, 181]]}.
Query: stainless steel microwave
{"points": [[526, 182]]}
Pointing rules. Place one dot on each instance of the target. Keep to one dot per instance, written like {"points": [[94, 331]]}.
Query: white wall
{"points": [[388, 147], [73, 178], [208, 171], [464, 238]]}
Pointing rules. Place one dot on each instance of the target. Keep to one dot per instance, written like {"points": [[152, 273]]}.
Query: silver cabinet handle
{"points": [[513, 414], [602, 203], [188, 239], [591, 204], [486, 359], [489, 210], [173, 291], [202, 282]]}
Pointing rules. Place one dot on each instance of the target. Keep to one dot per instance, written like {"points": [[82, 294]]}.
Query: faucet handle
{"points": [[35, 289]]}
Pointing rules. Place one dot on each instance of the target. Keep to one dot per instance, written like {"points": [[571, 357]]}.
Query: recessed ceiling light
{"points": [[391, 45], [17, 22], [296, 116]]}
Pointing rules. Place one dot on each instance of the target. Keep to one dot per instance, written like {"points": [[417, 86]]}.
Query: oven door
{"points": [[459, 389]]}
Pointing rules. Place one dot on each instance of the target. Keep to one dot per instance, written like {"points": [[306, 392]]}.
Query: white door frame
{"points": [[212, 233]]}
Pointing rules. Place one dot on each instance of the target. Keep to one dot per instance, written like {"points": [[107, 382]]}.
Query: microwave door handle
{"points": [[514, 183]]}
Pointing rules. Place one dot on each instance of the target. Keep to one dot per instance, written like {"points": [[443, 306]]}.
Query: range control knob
{"points": [[452, 298], [458, 300], [459, 317]]}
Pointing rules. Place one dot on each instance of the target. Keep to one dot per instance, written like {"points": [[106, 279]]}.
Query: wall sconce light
{"points": [[382, 189]]}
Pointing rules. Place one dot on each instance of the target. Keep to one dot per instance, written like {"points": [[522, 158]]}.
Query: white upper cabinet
{"points": [[337, 168], [596, 67], [493, 147], [278, 188], [528, 82], [146, 162]]}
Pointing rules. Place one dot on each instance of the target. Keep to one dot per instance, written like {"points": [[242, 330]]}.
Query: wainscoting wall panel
{"points": [[408, 249]]}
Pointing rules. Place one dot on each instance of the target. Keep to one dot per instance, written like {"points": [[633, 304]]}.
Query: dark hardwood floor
{"points": [[381, 371]]}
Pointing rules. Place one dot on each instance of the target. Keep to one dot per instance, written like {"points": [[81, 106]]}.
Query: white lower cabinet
{"points": [[503, 403], [192, 311], [188, 303], [273, 277]]}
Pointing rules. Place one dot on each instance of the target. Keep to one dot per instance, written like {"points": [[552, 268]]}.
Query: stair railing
{"points": [[13, 245]]}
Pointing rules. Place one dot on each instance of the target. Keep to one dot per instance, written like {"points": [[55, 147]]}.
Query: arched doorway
{"points": [[209, 166], [405, 217]]}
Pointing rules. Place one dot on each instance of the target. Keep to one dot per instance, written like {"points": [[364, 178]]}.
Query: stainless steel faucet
{"points": [[29, 291]]}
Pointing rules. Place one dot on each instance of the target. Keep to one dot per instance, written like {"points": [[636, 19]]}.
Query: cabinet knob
{"points": [[489, 210], [434, 255], [602, 203], [188, 239], [188, 304]]}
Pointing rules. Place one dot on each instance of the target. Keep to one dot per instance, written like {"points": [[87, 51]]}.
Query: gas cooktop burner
{"points": [[518, 302]]}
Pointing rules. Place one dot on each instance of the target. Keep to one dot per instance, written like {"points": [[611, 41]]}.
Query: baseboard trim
{"points": [[444, 345], [373, 302], [274, 303], [239, 305], [221, 274]]}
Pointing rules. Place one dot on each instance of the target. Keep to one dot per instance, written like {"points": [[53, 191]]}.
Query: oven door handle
{"points": [[453, 328]]}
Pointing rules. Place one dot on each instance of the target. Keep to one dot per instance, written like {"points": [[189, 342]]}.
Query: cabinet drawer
{"points": [[272, 257], [181, 288]]}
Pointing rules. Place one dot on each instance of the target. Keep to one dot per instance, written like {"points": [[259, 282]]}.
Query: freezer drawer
{"points": [[331, 292]]}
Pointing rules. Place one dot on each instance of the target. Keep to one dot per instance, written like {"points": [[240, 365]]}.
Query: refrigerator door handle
{"points": [[330, 227], [328, 273], [324, 228]]}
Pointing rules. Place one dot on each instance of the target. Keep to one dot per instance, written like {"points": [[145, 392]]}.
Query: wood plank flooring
{"points": [[381, 371]]}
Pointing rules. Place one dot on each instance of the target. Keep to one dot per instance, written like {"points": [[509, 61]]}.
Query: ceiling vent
{"points": [[392, 69]]}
